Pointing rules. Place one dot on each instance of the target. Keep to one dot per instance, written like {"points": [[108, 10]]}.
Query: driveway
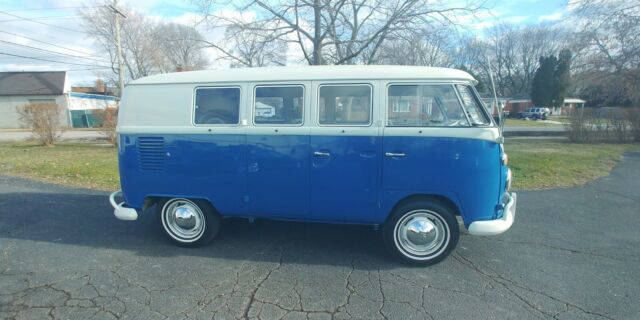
{"points": [[572, 254]]}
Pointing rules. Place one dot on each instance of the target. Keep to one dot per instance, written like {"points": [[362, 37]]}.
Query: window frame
{"points": [[193, 107], [253, 105], [426, 83], [347, 84], [476, 97]]}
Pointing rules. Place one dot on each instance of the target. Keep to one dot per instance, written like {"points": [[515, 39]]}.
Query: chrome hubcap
{"points": [[421, 234], [183, 219]]}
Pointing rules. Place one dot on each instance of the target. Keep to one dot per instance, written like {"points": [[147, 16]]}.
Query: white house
{"points": [[20, 88]]}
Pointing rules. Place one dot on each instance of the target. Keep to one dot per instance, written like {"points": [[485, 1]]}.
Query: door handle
{"points": [[321, 154], [395, 154]]}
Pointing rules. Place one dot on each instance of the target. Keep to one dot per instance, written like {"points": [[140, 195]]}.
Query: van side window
{"points": [[217, 106], [278, 105], [345, 105], [474, 109], [432, 105]]}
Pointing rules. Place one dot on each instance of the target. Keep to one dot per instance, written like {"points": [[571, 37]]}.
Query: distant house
{"points": [[20, 88], [491, 104], [515, 106]]}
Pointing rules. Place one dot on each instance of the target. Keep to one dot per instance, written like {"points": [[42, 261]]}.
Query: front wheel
{"points": [[421, 232], [189, 223]]}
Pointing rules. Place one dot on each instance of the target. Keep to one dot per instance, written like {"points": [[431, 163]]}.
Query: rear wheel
{"points": [[421, 232], [188, 223]]}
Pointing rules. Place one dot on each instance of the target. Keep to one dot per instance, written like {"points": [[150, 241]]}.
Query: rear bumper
{"points": [[497, 226], [119, 210]]}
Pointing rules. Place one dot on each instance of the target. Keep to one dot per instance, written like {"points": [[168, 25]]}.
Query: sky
{"points": [[51, 30]]}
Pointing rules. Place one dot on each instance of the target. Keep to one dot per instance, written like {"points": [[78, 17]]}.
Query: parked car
{"points": [[403, 149], [535, 113]]}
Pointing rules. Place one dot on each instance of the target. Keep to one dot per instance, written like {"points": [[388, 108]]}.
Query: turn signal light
{"points": [[505, 159]]}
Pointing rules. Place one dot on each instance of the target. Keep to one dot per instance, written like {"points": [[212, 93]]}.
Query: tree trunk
{"points": [[317, 41]]}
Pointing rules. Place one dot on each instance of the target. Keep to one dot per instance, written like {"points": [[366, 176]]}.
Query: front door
{"points": [[344, 151]]}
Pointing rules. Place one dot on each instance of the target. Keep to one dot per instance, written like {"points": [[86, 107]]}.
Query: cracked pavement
{"points": [[572, 254]]}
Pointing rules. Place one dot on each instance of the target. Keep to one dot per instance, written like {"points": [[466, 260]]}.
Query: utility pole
{"points": [[118, 45]]}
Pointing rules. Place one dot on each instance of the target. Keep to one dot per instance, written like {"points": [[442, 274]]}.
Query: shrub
{"points": [[604, 125], [109, 118], [633, 115], [43, 119]]}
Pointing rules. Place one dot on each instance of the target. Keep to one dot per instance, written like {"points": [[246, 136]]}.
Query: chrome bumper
{"points": [[498, 226], [119, 210]]}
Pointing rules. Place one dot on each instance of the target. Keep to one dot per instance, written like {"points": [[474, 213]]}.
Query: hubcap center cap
{"points": [[185, 218], [421, 232]]}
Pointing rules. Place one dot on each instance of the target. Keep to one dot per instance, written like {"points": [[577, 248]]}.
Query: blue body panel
{"points": [[465, 171], [344, 185], [277, 176]]}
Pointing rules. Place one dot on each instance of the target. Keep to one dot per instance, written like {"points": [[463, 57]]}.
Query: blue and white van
{"points": [[406, 149]]}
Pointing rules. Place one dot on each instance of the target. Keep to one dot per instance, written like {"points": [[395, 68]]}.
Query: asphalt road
{"points": [[572, 254]]}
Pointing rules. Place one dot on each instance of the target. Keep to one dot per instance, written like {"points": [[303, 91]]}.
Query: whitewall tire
{"points": [[421, 232], [188, 222]]}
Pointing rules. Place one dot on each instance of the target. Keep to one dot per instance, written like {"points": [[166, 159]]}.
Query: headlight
{"points": [[505, 159], [509, 179]]}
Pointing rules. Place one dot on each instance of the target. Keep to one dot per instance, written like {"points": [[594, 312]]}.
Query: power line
{"points": [[46, 18], [87, 69], [49, 60], [51, 44], [50, 51], [42, 23], [54, 8]]}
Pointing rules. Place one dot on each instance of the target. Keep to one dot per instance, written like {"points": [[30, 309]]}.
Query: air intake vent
{"points": [[151, 153]]}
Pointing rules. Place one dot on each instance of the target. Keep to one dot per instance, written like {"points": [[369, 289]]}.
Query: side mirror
{"points": [[497, 119]]}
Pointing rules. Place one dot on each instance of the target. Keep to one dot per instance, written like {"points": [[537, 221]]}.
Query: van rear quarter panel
{"points": [[210, 167]]}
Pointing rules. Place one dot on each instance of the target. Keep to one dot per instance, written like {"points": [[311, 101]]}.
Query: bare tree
{"points": [[149, 46], [250, 46], [515, 52], [511, 51], [179, 45], [333, 31], [609, 59], [421, 48]]}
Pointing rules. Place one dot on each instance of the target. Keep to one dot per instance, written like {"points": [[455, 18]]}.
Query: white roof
{"points": [[350, 72]]}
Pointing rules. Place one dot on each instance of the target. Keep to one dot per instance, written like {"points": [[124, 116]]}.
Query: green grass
{"points": [[536, 163], [527, 123], [74, 164], [544, 164]]}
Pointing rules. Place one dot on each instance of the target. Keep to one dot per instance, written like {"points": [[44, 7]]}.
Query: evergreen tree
{"points": [[542, 90], [551, 80], [561, 78]]}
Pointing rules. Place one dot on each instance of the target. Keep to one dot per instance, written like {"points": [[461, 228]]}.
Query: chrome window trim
{"points": [[487, 112], [253, 104], [319, 86], [475, 98], [466, 114], [386, 103], [193, 107], [474, 133]]}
